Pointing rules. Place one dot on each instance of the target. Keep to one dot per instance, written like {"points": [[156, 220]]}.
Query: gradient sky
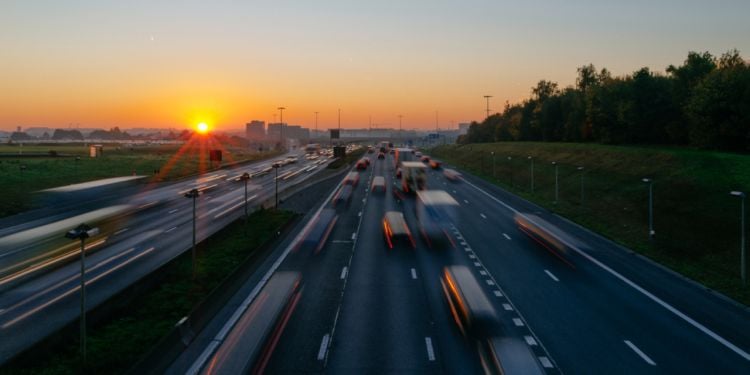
{"points": [[172, 63]]}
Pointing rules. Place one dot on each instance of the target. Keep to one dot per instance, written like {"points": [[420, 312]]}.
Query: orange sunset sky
{"points": [[172, 64]]}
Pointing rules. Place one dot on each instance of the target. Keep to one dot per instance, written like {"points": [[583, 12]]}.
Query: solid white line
{"points": [[633, 285], [518, 322], [121, 231], [530, 340], [413, 274], [545, 362], [507, 307], [640, 353], [482, 215], [344, 271], [498, 293], [173, 211], [507, 237], [430, 350], [551, 275], [170, 229], [323, 347], [465, 201]]}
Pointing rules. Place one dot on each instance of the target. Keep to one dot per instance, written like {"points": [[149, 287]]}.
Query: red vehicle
{"points": [[435, 164], [425, 159], [362, 164]]}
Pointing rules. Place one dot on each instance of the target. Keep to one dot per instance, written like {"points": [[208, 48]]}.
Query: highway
{"points": [[595, 308], [159, 230]]}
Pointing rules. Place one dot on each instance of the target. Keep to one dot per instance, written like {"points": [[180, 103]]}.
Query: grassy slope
{"points": [[43, 173], [695, 219], [115, 345]]}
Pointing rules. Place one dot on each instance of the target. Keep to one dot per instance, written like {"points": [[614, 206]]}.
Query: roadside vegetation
{"points": [[21, 174], [350, 158], [696, 220], [117, 343]]}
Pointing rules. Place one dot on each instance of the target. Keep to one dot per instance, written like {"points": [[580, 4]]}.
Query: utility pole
{"points": [[281, 124], [316, 122], [488, 104], [437, 131]]}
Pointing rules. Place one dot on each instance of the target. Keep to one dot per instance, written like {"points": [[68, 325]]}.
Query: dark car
{"points": [[343, 197], [318, 233], [381, 155]]}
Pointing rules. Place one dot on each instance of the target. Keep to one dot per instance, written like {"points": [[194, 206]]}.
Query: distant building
{"points": [[255, 130], [274, 131]]}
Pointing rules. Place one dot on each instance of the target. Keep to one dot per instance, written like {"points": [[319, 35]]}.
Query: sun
{"points": [[202, 128]]}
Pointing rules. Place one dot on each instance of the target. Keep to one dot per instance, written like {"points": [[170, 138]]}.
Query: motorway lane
{"points": [[581, 303], [36, 308]]}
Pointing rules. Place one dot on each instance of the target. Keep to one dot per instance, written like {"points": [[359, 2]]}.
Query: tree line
{"points": [[704, 103]]}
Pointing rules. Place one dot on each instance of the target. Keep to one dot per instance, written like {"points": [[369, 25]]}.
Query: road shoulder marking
{"points": [[640, 353]]}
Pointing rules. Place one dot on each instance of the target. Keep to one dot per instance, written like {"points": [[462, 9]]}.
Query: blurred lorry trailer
{"points": [[413, 176], [436, 211], [248, 347]]}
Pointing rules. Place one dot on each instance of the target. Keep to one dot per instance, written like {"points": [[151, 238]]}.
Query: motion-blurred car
{"points": [[398, 172], [381, 155], [378, 184], [361, 164], [396, 231], [435, 164], [318, 233], [343, 197], [352, 178], [425, 159], [451, 174]]}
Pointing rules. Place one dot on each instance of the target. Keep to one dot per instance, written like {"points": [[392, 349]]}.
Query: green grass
{"points": [[697, 222], [17, 185], [119, 342]]}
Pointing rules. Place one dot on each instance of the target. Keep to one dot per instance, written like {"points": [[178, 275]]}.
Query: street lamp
{"points": [[531, 159], [582, 173], [316, 124], [194, 194], [650, 183], [494, 170], [245, 177], [511, 170], [556, 182], [276, 168], [82, 232], [78, 159], [281, 124], [742, 234]]}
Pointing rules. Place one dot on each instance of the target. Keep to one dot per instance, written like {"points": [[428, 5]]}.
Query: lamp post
{"points": [[582, 173], [742, 235], [556, 182], [78, 159], [82, 232], [494, 170], [281, 126], [316, 124], [488, 104], [650, 183], [531, 159], [276, 168], [511, 170], [194, 193], [245, 177]]}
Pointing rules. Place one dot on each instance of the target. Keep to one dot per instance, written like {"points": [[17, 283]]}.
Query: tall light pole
{"points": [[494, 170], [557, 190], [582, 173], [743, 266], [276, 168], [488, 104], [437, 131], [399, 125], [511, 170], [316, 123], [245, 177], [193, 194], [281, 125], [82, 232], [650, 183], [532, 173]]}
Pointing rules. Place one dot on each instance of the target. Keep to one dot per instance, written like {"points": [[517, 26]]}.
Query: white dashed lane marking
{"points": [[482, 215], [430, 350], [344, 271], [518, 322], [530, 340], [545, 362], [553, 277], [640, 353], [323, 347], [413, 273], [507, 237]]}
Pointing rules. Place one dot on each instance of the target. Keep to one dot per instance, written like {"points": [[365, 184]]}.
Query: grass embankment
{"points": [[115, 344], [697, 222], [46, 172]]}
